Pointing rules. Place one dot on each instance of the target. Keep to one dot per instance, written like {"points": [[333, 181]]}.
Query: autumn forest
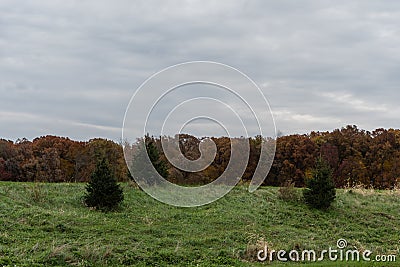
{"points": [[357, 157]]}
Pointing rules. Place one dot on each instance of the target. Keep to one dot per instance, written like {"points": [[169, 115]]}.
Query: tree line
{"points": [[356, 157], [58, 159]]}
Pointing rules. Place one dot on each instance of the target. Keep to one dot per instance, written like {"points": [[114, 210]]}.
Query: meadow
{"points": [[46, 224]]}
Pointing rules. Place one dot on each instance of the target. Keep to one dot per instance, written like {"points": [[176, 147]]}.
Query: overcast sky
{"points": [[69, 68]]}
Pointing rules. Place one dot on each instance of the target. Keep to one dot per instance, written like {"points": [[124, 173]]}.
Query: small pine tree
{"points": [[103, 191], [320, 191]]}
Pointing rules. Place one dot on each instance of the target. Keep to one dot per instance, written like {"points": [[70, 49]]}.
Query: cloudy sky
{"points": [[69, 68]]}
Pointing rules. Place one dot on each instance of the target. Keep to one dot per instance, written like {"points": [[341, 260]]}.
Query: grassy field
{"points": [[47, 225]]}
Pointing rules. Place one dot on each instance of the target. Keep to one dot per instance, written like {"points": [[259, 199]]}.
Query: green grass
{"points": [[47, 225]]}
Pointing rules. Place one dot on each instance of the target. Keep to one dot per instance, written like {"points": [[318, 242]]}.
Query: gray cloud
{"points": [[69, 68]]}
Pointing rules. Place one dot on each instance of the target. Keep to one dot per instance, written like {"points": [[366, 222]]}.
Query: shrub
{"points": [[320, 191], [103, 191], [288, 192]]}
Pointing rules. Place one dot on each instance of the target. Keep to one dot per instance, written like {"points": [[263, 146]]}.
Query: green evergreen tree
{"points": [[320, 191], [103, 192], [143, 170], [155, 159]]}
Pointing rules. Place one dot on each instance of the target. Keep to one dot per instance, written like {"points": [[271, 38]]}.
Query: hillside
{"points": [[46, 224]]}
